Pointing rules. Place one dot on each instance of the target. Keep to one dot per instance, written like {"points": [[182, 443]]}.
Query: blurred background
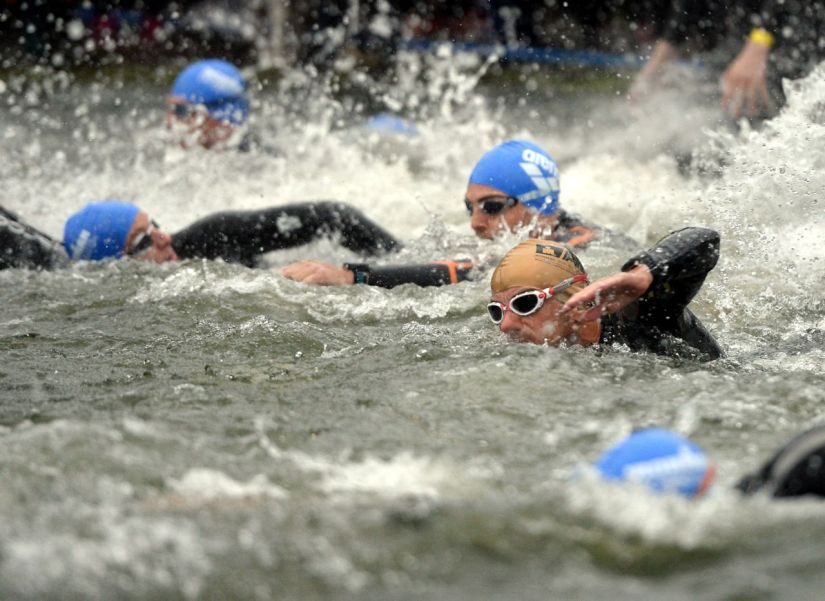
{"points": [[252, 31]]}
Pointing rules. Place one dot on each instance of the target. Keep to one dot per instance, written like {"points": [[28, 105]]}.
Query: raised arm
{"points": [[679, 264], [664, 278]]}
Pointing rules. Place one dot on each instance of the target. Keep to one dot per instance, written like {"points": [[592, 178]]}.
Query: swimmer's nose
{"points": [[480, 222], [511, 324], [161, 239]]}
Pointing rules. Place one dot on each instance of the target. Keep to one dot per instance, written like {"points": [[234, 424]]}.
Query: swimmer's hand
{"points": [[316, 272], [608, 295], [663, 53], [744, 84]]}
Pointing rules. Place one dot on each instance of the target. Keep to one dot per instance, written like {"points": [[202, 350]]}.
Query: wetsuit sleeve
{"points": [[679, 263], [23, 246], [243, 236], [437, 273]]}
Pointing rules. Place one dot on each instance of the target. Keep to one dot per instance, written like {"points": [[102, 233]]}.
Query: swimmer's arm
{"points": [[679, 264], [666, 277], [438, 273], [684, 254]]}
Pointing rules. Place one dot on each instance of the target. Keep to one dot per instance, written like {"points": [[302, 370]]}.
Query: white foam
{"points": [[209, 484]]}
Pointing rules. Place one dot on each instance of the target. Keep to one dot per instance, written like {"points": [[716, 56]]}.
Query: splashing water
{"points": [[204, 430]]}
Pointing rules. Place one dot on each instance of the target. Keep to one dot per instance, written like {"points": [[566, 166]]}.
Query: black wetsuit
{"points": [[234, 236], [23, 246], [795, 470], [570, 229], [243, 236], [660, 321]]}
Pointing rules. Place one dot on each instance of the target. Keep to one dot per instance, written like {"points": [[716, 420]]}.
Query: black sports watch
{"points": [[361, 271]]}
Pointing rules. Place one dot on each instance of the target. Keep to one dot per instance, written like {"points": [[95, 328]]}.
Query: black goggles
{"points": [[144, 239], [492, 205], [528, 302], [182, 111]]}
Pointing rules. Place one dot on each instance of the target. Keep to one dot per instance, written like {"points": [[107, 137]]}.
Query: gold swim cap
{"points": [[537, 264]]}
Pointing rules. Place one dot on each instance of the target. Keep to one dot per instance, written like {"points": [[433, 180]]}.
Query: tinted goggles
{"points": [[182, 111], [185, 110], [492, 205], [143, 240], [528, 302]]}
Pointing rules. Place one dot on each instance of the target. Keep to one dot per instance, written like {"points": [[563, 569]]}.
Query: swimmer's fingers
{"points": [[610, 294], [728, 92], [758, 100], [732, 102], [752, 94], [318, 273], [593, 301], [766, 98], [589, 296]]}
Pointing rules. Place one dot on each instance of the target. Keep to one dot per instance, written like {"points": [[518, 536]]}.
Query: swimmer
{"points": [[207, 105], [542, 294], [666, 462], [659, 460], [514, 186], [113, 230]]}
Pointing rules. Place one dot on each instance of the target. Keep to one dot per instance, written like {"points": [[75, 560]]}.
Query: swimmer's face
{"points": [[160, 250], [544, 326], [192, 126], [488, 226]]}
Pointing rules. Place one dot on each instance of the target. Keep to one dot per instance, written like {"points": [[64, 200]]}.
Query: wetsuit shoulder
{"points": [[24, 246], [796, 469]]}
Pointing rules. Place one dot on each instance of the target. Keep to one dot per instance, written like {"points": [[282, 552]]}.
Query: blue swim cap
{"points": [[99, 230], [392, 124], [523, 170], [659, 459], [217, 85]]}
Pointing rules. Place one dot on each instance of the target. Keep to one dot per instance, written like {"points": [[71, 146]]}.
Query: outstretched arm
{"points": [[438, 273]]}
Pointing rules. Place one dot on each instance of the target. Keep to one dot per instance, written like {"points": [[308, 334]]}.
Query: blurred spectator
{"points": [[785, 40], [751, 82]]}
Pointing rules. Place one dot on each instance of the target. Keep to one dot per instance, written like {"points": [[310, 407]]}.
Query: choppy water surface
{"points": [[202, 430]]}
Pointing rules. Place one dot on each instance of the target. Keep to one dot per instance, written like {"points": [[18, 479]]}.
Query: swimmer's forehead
{"points": [[535, 264]]}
